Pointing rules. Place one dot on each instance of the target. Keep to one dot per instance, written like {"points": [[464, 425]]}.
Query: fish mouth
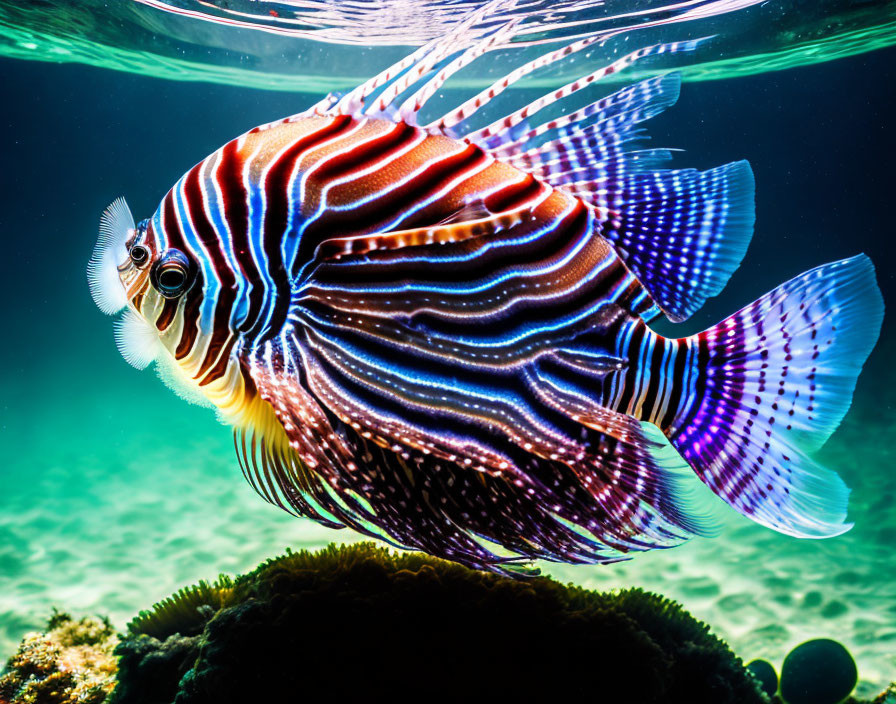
{"points": [[116, 228]]}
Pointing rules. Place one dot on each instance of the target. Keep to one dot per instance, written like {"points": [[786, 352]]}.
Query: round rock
{"points": [[764, 673], [819, 671]]}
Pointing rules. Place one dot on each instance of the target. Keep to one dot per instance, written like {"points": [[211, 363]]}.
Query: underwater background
{"points": [[114, 492]]}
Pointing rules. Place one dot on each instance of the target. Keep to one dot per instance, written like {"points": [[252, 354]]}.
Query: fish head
{"points": [[133, 272], [131, 269], [167, 297]]}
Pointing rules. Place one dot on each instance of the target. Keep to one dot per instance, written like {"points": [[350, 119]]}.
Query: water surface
{"points": [[136, 36]]}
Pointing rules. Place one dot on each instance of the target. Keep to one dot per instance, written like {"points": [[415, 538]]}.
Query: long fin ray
{"points": [[501, 24], [613, 482], [397, 78], [482, 135], [412, 106]]}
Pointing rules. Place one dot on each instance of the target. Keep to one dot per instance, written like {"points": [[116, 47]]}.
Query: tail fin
{"points": [[773, 382]]}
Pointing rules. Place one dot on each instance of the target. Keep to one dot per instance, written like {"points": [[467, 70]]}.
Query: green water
{"points": [[106, 516], [115, 492], [127, 36]]}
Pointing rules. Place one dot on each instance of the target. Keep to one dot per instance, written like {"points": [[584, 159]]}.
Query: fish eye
{"points": [[139, 254], [139, 236], [171, 276]]}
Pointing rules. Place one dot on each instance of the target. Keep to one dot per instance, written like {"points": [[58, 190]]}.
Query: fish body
{"points": [[439, 336]]}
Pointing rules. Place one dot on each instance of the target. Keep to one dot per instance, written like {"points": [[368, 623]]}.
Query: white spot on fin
{"points": [[116, 226], [137, 340]]}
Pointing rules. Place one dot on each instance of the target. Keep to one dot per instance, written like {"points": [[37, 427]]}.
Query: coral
{"points": [[357, 621], [151, 669], [186, 611], [70, 663]]}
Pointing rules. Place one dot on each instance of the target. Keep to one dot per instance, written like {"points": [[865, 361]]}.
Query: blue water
{"points": [[115, 492]]}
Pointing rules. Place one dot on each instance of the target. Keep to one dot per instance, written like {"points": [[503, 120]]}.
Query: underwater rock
{"points": [[765, 674], [70, 663], [819, 671], [357, 621]]}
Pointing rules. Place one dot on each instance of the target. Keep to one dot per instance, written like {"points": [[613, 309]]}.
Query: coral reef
{"points": [[358, 622], [70, 663], [355, 621]]}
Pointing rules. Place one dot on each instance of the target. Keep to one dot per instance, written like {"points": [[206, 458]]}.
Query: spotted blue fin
{"points": [[773, 383], [682, 232]]}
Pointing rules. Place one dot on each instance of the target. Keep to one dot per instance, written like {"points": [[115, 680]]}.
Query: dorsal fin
{"points": [[682, 232], [499, 24], [596, 137]]}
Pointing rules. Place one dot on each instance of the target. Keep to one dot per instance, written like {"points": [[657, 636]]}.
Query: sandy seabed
{"points": [[103, 513]]}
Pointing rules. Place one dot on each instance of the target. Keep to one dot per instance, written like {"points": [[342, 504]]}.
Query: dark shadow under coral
{"points": [[356, 622]]}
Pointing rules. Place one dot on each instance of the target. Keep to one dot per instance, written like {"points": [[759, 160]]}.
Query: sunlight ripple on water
{"points": [[330, 45]]}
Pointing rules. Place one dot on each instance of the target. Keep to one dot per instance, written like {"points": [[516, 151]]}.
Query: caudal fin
{"points": [[773, 382]]}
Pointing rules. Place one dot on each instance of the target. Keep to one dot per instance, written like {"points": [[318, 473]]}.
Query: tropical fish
{"points": [[436, 333]]}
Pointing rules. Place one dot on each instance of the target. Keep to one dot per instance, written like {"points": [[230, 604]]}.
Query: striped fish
{"points": [[437, 333]]}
